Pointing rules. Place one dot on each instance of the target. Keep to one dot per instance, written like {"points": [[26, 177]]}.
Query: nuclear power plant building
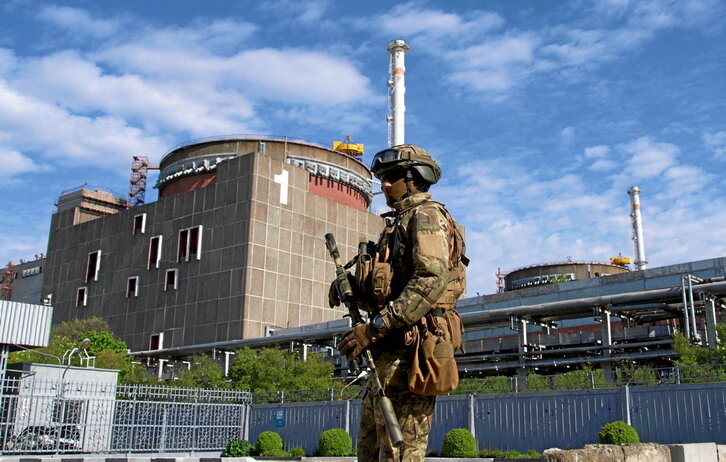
{"points": [[232, 248]]}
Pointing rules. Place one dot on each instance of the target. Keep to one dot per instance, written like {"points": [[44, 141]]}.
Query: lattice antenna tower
{"points": [[8, 277], [500, 280], [140, 167]]}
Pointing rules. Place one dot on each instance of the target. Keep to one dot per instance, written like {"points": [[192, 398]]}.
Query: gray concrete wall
{"points": [[263, 261]]}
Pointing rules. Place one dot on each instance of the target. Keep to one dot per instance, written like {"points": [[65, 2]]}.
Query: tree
{"points": [[273, 369], [110, 351], [203, 373]]}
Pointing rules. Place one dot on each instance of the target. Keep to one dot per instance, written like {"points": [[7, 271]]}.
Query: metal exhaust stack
{"points": [[396, 92], [640, 261]]}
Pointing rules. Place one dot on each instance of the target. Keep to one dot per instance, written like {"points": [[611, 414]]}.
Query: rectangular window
{"points": [[190, 244], [156, 341], [132, 287], [171, 280], [94, 266], [139, 224], [195, 242], [82, 296], [154, 252]]}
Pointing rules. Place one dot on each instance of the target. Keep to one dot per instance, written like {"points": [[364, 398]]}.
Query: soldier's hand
{"points": [[333, 297], [357, 339]]}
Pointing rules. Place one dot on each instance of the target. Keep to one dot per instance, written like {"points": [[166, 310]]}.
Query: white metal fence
{"points": [[42, 417]]}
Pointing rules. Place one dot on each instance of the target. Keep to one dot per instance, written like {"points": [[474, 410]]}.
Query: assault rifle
{"points": [[346, 295]]}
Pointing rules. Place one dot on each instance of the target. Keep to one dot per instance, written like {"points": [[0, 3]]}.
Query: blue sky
{"points": [[541, 113]]}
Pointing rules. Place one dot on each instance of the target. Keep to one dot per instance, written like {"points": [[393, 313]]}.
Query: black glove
{"points": [[357, 339]]}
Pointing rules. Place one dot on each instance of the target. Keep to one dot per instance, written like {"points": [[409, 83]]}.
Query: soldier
{"points": [[417, 271]]}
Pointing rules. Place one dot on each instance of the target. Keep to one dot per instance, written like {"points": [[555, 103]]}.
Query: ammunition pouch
{"points": [[432, 343], [381, 277]]}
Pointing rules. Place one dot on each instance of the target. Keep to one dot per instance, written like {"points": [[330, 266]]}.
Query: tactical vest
{"points": [[384, 268]]}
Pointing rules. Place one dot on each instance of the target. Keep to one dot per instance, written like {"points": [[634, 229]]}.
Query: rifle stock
{"points": [[346, 295]]}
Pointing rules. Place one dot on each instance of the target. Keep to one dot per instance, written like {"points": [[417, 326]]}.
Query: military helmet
{"points": [[406, 156]]}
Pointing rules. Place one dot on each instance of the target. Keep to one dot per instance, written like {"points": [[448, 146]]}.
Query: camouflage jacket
{"points": [[420, 246]]}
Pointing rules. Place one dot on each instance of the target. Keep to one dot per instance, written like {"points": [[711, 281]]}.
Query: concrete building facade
{"points": [[232, 249]]}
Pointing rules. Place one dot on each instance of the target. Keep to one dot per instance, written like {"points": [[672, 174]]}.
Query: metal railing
{"points": [[47, 416]]}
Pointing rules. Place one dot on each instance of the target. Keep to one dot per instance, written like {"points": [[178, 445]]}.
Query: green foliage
{"points": [[618, 432], [335, 442], [495, 453], [136, 374], [273, 369], [511, 454], [297, 452], [237, 448], [110, 352], [203, 373], [459, 442], [269, 444], [694, 355]]}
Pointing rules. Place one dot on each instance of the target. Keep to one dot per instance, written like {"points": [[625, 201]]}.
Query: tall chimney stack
{"points": [[396, 92], [640, 261]]}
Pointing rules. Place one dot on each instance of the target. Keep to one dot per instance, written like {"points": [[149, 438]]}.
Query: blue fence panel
{"points": [[301, 424], [688, 413], [451, 412], [545, 419]]}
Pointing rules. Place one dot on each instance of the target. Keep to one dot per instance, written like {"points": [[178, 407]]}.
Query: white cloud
{"points": [[603, 165], [650, 158], [79, 21], [596, 152], [413, 20], [81, 86], [63, 136], [14, 163], [716, 142]]}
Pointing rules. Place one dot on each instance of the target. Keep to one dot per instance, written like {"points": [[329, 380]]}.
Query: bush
{"points": [[459, 442], [237, 448], [495, 453], [335, 442], [269, 444], [297, 452], [511, 454], [618, 432]]}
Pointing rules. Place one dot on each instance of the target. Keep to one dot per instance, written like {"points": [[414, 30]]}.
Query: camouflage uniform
{"points": [[420, 254]]}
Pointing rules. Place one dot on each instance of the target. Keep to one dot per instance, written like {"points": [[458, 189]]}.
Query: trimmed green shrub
{"points": [[269, 444], [297, 452], [335, 442], [459, 442], [495, 453], [511, 454], [237, 448], [618, 432]]}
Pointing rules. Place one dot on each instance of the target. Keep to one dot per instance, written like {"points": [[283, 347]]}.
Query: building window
{"points": [[82, 296], [139, 224], [154, 252], [171, 279], [190, 244], [132, 287], [94, 266], [156, 341]]}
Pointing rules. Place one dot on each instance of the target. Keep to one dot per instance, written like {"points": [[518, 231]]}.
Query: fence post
{"points": [[472, 417], [134, 405], [627, 404], [592, 379], [677, 374], [346, 416]]}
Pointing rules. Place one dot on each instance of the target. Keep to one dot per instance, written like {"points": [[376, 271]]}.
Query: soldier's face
{"points": [[393, 185]]}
